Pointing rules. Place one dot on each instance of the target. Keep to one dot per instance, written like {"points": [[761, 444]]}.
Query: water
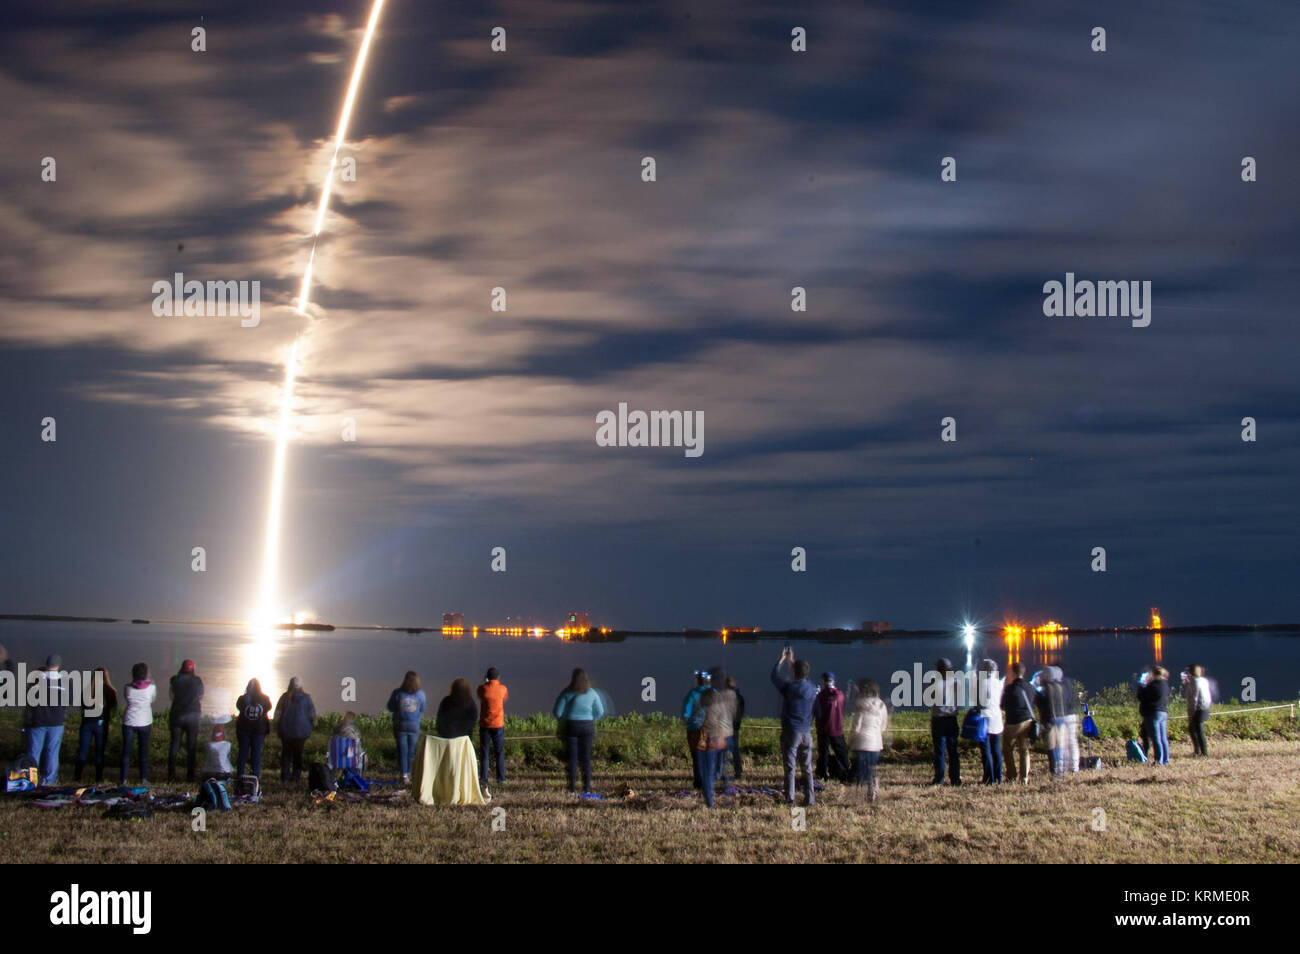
{"points": [[536, 669]]}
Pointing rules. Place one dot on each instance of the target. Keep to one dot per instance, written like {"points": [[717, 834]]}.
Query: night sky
{"points": [[522, 169]]}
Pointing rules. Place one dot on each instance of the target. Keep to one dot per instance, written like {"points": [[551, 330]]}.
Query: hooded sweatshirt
{"points": [[867, 725]]}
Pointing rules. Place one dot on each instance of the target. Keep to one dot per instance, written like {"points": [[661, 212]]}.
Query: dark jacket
{"points": [[1153, 698], [187, 696], [57, 694], [254, 714], [797, 697], [1056, 699], [295, 715], [740, 708], [1017, 700], [106, 716], [454, 720]]}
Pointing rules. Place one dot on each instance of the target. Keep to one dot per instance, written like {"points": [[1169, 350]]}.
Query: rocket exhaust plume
{"points": [[267, 610]]}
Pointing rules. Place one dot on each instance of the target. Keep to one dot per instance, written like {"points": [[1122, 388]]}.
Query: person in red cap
{"points": [[216, 755], [187, 706]]}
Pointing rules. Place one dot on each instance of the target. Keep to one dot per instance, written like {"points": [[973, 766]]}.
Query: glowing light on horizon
{"points": [[267, 610]]}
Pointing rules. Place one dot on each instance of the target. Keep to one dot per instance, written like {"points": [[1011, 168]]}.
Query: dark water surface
{"points": [[536, 669]]}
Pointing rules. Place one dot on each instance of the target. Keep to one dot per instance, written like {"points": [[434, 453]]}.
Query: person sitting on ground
{"points": [[867, 736], [457, 713], [1196, 690], [348, 729], [295, 717], [828, 715], [216, 755]]}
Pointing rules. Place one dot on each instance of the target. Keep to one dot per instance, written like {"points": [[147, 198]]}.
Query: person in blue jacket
{"points": [[295, 717], [407, 704], [797, 697], [579, 706], [693, 714]]}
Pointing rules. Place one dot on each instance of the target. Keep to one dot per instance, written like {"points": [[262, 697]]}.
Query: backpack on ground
{"points": [[975, 726], [320, 778], [128, 811], [24, 772], [247, 786], [213, 796], [1134, 751]]}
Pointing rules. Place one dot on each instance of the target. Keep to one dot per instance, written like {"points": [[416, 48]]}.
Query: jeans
{"points": [[864, 766], [250, 743], [839, 765], [582, 732], [711, 761], [693, 744], [43, 743], [406, 742], [93, 731], [187, 726], [943, 734], [291, 759], [1064, 743], [496, 738], [733, 747], [991, 758], [140, 733], [1196, 728], [1155, 729], [1015, 742], [797, 747]]}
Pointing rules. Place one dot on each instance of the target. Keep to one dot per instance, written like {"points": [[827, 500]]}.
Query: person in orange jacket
{"points": [[492, 695]]}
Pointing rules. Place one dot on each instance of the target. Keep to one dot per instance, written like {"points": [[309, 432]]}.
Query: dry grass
{"points": [[1239, 805]]}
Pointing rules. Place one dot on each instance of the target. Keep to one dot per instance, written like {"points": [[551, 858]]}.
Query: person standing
{"points": [[1057, 703], [407, 703], [719, 710], [867, 736], [989, 688], [44, 722], [252, 726], [797, 696], [94, 730], [1153, 707], [828, 715], [187, 705], [457, 713], [1018, 702], [1196, 690], [693, 715], [580, 707], [733, 744], [492, 696], [943, 724], [295, 717], [137, 720]]}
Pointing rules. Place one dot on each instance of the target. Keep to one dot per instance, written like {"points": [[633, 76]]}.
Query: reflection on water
{"points": [[260, 647]]}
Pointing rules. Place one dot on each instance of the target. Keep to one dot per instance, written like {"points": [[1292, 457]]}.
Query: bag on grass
{"points": [[247, 786], [1134, 751], [128, 811], [320, 778], [213, 796]]}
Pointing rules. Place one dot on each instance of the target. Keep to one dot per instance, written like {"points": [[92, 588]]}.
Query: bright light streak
{"points": [[304, 293], [267, 611]]}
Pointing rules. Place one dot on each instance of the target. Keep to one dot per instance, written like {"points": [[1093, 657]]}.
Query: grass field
{"points": [[1238, 805]]}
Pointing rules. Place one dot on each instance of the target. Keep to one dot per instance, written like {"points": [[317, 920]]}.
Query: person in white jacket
{"points": [[137, 720], [989, 686], [867, 736], [1196, 689]]}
